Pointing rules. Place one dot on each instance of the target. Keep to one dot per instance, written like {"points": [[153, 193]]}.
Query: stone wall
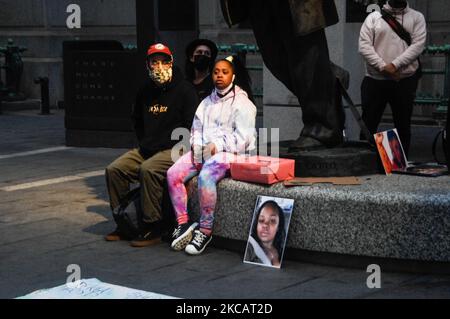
{"points": [[40, 25]]}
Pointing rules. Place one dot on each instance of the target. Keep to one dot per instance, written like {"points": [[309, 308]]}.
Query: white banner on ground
{"points": [[93, 289]]}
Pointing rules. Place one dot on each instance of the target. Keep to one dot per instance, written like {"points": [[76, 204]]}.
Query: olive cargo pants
{"points": [[150, 173]]}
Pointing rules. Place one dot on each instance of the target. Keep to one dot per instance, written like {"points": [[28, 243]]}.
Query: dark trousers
{"points": [[375, 94], [302, 63], [150, 173]]}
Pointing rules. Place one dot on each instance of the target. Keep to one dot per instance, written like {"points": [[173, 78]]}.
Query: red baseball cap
{"points": [[159, 48]]}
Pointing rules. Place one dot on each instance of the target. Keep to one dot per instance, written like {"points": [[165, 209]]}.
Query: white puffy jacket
{"points": [[380, 45], [228, 122]]}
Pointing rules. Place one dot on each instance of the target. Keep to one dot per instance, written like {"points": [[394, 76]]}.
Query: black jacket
{"points": [[158, 111], [204, 88]]}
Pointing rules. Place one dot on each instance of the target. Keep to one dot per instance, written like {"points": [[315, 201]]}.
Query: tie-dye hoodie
{"points": [[228, 122]]}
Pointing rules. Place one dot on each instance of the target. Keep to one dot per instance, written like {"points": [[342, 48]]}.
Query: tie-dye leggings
{"points": [[209, 174]]}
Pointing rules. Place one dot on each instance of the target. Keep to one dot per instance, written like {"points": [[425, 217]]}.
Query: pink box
{"points": [[263, 170]]}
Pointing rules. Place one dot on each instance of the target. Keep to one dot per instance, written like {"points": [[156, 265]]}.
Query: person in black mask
{"points": [[200, 57], [391, 43], [399, 4]]}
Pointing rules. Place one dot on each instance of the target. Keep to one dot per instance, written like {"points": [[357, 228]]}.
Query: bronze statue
{"points": [[292, 41]]}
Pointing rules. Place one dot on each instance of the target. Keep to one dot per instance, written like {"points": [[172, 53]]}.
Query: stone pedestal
{"points": [[396, 218], [350, 159]]}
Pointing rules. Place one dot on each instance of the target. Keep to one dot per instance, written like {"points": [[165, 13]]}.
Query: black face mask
{"points": [[398, 3], [202, 62]]}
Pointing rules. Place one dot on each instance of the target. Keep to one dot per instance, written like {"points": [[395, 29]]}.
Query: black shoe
{"points": [[306, 143], [182, 235], [150, 235], [198, 243]]}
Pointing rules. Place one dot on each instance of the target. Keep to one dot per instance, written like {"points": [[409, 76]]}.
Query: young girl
{"points": [[224, 125]]}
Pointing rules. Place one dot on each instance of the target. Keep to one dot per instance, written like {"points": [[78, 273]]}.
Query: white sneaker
{"points": [[198, 243]]}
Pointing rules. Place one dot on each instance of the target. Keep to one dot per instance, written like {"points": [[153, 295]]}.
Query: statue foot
{"points": [[306, 143]]}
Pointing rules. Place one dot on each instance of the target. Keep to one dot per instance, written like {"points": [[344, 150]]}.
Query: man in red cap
{"points": [[165, 103]]}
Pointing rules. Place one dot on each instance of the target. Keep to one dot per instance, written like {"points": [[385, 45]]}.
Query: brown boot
{"points": [[116, 235]]}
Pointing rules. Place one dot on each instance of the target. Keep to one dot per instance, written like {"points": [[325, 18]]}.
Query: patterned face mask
{"points": [[160, 75]]}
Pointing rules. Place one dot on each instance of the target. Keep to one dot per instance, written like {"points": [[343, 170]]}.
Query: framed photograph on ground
{"points": [[268, 231], [394, 159], [424, 169], [391, 151]]}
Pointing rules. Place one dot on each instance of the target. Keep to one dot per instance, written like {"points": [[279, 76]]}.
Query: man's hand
{"points": [[209, 151], [391, 71]]}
